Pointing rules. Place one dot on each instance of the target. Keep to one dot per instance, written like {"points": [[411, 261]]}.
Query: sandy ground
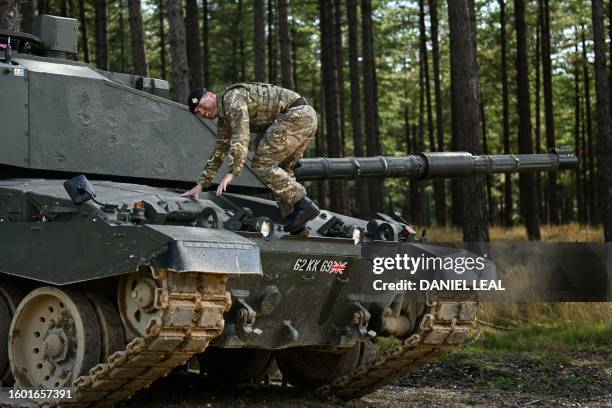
{"points": [[517, 382]]}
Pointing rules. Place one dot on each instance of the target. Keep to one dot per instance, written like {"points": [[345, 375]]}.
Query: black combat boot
{"points": [[303, 211]]}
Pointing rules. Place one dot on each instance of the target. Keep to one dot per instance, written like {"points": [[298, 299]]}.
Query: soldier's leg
{"points": [[284, 142]]}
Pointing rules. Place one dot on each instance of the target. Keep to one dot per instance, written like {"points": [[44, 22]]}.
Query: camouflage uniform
{"points": [[253, 107]]}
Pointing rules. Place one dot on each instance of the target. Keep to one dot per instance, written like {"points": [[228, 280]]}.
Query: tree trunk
{"points": [[83, 29], [194, 51], [294, 56], [361, 186], [411, 193], [425, 93], [27, 15], [370, 93], [178, 50], [260, 41], [602, 92], [610, 34], [439, 184], [205, 45], [42, 7], [101, 34], [121, 37], [584, 163], [320, 139], [505, 113], [527, 187], [71, 9], [590, 153], [542, 207], [10, 16], [332, 103], [577, 125], [271, 42], [139, 52], [241, 41], [466, 112], [63, 8], [553, 203], [421, 207], [285, 45], [414, 185], [339, 63], [488, 177]]}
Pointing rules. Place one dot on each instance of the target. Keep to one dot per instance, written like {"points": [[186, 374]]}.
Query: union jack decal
{"points": [[337, 268]]}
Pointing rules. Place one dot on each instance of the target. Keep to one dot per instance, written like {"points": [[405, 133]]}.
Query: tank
{"points": [[110, 280]]}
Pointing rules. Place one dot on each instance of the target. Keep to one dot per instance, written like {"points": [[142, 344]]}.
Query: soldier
{"points": [[289, 124]]}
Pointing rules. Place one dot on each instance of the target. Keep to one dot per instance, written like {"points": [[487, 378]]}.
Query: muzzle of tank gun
{"points": [[434, 165]]}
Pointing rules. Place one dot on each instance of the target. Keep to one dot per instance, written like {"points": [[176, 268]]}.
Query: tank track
{"points": [[443, 326], [192, 306]]}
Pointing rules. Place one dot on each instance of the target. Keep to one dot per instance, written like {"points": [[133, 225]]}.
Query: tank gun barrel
{"points": [[434, 165]]}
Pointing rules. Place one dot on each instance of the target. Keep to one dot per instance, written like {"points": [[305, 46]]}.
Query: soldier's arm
{"points": [[217, 155], [237, 112]]}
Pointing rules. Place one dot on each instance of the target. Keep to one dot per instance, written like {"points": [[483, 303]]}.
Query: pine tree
{"points": [[285, 45], [178, 50], [527, 186], [101, 22], [10, 16], [439, 184], [602, 91], [363, 204], [139, 52], [466, 113], [194, 51], [260, 41], [370, 94], [505, 113]]}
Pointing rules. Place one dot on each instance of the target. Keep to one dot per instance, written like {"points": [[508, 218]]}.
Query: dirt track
{"points": [[516, 381]]}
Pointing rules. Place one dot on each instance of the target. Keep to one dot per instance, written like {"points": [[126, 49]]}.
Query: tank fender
{"points": [[206, 249], [62, 253]]}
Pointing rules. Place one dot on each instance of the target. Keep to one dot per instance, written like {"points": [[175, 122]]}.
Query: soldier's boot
{"points": [[303, 211]]}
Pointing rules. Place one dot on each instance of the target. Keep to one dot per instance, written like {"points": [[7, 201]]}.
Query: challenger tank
{"points": [[110, 280]]}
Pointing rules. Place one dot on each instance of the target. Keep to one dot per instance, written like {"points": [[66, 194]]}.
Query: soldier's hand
{"points": [[227, 180], [194, 192]]}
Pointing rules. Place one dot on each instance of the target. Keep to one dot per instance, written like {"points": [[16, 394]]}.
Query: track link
{"points": [[443, 326], [192, 306]]}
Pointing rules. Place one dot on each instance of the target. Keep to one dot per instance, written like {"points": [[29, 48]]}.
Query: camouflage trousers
{"points": [[280, 149]]}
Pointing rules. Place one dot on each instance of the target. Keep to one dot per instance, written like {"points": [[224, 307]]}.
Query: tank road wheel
{"points": [[10, 297], [111, 329], [136, 298], [310, 368], [54, 338], [234, 366]]}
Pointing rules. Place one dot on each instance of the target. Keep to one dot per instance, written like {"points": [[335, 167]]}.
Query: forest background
{"points": [[390, 77], [395, 78]]}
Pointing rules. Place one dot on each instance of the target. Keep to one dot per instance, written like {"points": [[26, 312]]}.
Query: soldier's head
{"points": [[203, 103]]}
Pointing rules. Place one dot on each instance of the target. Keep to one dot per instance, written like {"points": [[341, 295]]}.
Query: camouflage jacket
{"points": [[243, 108]]}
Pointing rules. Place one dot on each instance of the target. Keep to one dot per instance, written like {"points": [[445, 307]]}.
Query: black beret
{"points": [[194, 98]]}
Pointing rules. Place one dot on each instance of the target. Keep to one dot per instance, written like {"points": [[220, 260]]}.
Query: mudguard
{"points": [[65, 253]]}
